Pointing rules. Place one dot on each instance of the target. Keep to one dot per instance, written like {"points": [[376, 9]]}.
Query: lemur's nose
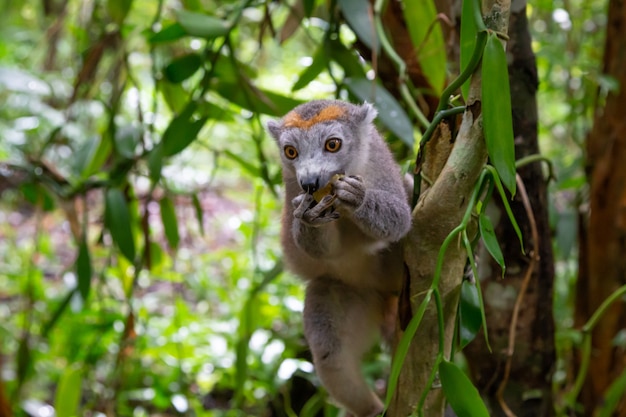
{"points": [[310, 185]]}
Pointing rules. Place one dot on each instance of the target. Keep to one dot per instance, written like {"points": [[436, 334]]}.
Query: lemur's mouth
{"points": [[328, 189]]}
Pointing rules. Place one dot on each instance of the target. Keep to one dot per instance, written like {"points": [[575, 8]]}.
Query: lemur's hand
{"points": [[312, 214], [350, 192]]}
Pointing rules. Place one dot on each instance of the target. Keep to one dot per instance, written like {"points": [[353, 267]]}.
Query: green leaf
{"points": [[468, 39], [156, 256], [360, 18], [346, 58], [497, 114], [202, 25], [117, 217], [174, 94], [612, 397], [170, 223], [390, 113], [68, 393], [83, 270], [252, 169], [92, 155], [255, 99], [312, 71], [182, 68], [470, 316], [505, 203], [127, 138], [460, 393], [427, 38], [182, 130], [199, 212], [155, 163], [37, 195], [118, 9], [171, 33], [488, 235], [229, 70], [308, 7], [481, 304]]}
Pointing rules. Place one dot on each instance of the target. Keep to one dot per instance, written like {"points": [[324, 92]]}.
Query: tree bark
{"points": [[438, 212], [603, 243], [533, 356]]}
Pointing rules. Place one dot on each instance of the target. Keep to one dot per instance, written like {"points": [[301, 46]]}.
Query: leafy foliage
{"points": [[139, 262]]}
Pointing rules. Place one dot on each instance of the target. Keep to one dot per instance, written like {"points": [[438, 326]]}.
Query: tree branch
{"points": [[439, 210]]}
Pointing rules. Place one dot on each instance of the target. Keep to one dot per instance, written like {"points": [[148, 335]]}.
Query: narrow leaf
{"points": [[505, 202], [490, 239], [117, 217], [199, 212], [347, 59], [427, 38], [481, 304], [83, 270], [118, 9], [170, 223], [612, 397], [312, 71], [182, 130], [497, 114], [126, 139], [68, 393], [93, 155], [37, 195], [468, 39], [182, 68], [174, 94], [171, 33], [390, 113], [255, 99], [155, 163], [360, 18], [460, 393], [253, 170], [202, 25], [308, 7], [469, 313]]}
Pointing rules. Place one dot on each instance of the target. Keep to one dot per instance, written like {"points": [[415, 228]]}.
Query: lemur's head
{"points": [[322, 138]]}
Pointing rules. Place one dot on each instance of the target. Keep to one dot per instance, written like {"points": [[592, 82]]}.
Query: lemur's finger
{"points": [[305, 201], [325, 203], [350, 191]]}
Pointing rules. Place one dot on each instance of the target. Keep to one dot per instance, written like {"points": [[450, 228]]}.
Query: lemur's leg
{"points": [[341, 323]]}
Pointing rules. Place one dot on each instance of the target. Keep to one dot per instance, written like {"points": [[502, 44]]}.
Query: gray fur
{"points": [[348, 247]]}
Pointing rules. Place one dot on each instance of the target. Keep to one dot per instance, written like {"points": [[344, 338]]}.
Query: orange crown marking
{"points": [[293, 119]]}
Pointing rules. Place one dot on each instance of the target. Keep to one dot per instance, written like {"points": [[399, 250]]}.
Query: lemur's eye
{"points": [[290, 152], [333, 145]]}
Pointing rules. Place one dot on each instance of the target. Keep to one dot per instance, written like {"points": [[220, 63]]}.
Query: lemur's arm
{"points": [[381, 214]]}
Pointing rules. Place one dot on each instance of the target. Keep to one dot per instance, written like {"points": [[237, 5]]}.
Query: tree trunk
{"points": [[603, 243], [527, 389], [438, 212]]}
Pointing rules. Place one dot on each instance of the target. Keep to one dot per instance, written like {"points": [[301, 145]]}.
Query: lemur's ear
{"points": [[365, 113], [275, 128]]}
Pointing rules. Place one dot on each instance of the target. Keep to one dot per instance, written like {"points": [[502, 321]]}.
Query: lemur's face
{"points": [[320, 139]]}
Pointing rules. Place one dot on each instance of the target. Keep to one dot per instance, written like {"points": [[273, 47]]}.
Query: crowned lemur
{"points": [[347, 244]]}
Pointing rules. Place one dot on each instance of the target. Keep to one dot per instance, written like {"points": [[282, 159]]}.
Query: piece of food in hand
{"points": [[327, 189]]}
